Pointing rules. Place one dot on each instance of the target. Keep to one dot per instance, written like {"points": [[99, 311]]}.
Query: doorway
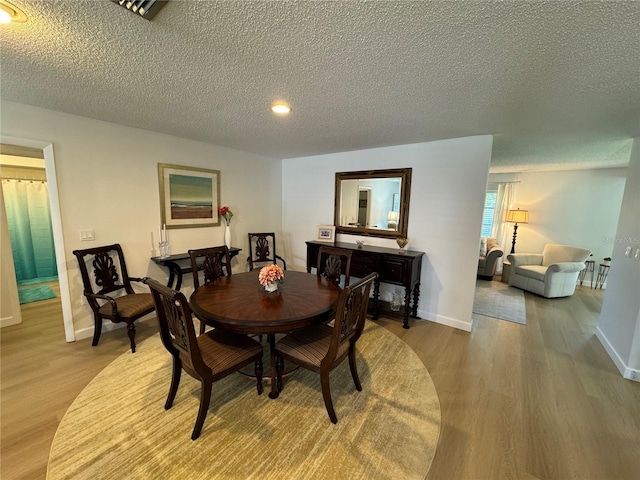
{"points": [[54, 262], [363, 207]]}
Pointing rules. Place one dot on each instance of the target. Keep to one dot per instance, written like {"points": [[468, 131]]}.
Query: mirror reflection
{"points": [[374, 203], [370, 203]]}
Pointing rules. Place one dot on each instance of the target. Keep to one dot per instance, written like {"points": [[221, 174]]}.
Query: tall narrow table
{"points": [[181, 263], [394, 266], [239, 304]]}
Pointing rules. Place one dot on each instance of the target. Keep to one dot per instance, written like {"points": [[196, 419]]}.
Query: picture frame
{"points": [[189, 196], [326, 233]]}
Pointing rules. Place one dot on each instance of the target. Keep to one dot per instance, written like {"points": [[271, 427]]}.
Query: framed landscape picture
{"points": [[189, 196]]}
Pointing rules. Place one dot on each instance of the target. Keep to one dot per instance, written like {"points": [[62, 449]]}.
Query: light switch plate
{"points": [[87, 235], [627, 252]]}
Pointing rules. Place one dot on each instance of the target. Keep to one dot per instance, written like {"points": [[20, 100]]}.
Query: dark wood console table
{"points": [[181, 263], [394, 266]]}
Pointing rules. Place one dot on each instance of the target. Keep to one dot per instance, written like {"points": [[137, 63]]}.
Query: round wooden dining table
{"points": [[238, 303]]}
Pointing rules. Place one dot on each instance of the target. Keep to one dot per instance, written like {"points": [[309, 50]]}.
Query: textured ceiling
{"points": [[557, 82]]}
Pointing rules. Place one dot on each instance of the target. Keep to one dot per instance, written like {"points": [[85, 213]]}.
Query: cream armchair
{"points": [[553, 273]]}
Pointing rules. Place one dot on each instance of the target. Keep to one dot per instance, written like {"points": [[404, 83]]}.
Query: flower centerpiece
{"points": [[270, 276], [225, 213]]}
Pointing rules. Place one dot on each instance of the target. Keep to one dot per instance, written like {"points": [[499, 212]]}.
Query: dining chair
{"points": [[323, 347], [262, 250], [333, 262], [208, 357], [109, 291], [213, 262]]}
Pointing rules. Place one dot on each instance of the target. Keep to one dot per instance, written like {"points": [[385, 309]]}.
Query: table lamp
{"points": [[392, 218], [516, 217]]}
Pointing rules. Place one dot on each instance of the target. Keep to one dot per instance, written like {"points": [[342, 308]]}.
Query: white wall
{"points": [[619, 324], [108, 182], [576, 207], [447, 197]]}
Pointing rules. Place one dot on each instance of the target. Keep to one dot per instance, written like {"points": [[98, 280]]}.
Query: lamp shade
{"points": [[518, 216], [393, 216]]}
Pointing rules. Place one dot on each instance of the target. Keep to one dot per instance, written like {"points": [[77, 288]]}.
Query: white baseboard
{"points": [[441, 319], [625, 371], [8, 321], [107, 326]]}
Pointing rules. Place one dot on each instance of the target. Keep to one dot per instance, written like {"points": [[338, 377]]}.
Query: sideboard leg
{"points": [[376, 296], [416, 298]]}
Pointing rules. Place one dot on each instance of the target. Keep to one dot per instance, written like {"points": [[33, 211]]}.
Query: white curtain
{"points": [[500, 229]]}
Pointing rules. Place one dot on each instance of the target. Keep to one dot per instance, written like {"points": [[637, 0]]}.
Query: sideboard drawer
{"points": [[362, 265], [393, 271]]}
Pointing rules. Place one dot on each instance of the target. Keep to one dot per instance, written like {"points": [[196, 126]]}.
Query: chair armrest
{"points": [[518, 259], [92, 297], [136, 279], [494, 254], [565, 267]]}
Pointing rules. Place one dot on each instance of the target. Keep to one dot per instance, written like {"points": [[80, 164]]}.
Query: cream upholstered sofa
{"points": [[490, 251], [553, 273]]}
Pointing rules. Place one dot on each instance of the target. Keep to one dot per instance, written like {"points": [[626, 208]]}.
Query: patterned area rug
{"points": [[117, 427], [35, 294], [499, 300]]}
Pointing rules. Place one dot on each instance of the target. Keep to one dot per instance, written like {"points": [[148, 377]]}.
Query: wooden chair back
{"points": [[214, 262], [262, 250], [334, 262], [177, 331], [350, 317]]}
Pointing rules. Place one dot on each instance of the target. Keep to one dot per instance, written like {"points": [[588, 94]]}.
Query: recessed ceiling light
{"points": [[10, 13], [280, 108]]}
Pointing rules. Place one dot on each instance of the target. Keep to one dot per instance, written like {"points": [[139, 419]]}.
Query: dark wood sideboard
{"points": [[394, 266]]}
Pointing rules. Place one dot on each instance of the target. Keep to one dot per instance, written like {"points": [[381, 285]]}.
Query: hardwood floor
{"points": [[537, 401]]}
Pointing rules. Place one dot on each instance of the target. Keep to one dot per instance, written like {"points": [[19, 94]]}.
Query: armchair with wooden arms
{"points": [[262, 250], [110, 277]]}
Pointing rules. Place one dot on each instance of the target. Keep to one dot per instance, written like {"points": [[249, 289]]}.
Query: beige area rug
{"points": [[499, 300], [117, 427]]}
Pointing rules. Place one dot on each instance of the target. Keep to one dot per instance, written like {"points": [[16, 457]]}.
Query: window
{"points": [[489, 210]]}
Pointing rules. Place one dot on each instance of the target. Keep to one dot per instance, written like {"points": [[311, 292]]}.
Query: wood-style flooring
{"points": [[541, 401]]}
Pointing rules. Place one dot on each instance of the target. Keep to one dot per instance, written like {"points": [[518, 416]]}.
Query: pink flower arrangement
{"points": [[226, 214], [270, 274]]}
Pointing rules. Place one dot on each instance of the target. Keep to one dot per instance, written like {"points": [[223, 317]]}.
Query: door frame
{"points": [[56, 225]]}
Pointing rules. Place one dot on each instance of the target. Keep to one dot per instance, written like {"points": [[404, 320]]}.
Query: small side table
{"points": [[603, 271], [506, 271], [589, 268]]}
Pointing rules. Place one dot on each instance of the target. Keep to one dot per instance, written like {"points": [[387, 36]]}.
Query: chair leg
{"points": [[175, 382], [326, 394], [279, 370], [97, 330], [205, 398], [258, 372], [202, 327], [131, 330], [354, 368]]}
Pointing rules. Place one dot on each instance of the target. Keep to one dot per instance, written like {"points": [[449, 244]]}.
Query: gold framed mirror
{"points": [[373, 202]]}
